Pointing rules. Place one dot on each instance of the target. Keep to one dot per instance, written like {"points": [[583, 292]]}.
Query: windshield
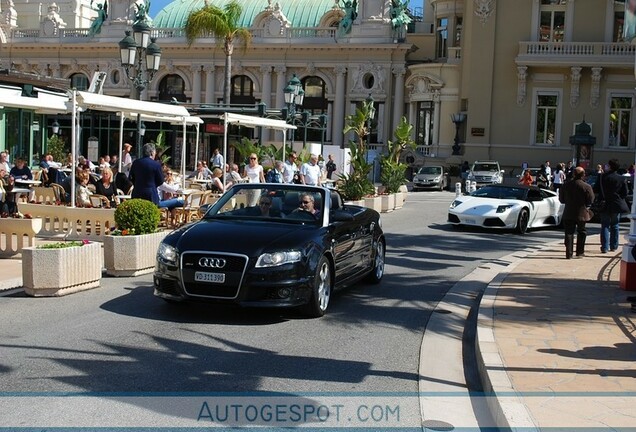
{"points": [[430, 170], [500, 192], [272, 202], [485, 167]]}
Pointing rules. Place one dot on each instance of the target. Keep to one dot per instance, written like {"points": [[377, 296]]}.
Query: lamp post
{"points": [[458, 119], [55, 127], [294, 96], [133, 50]]}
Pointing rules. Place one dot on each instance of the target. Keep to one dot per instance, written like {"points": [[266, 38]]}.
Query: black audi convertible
{"points": [[272, 245]]}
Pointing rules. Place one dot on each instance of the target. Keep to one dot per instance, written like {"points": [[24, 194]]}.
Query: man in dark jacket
{"points": [[146, 175], [577, 196], [611, 187]]}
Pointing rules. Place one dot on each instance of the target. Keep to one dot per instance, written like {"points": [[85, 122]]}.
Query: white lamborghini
{"points": [[507, 207]]}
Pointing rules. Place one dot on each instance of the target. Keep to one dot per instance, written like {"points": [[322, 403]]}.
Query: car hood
{"points": [[427, 176], [480, 202], [244, 237]]}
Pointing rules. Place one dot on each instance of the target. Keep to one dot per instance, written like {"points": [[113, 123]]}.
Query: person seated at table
{"points": [[307, 204], [105, 186], [216, 185], [20, 171], [203, 172], [122, 182], [7, 199], [82, 193], [101, 164], [232, 175], [167, 195], [69, 161], [85, 163]]}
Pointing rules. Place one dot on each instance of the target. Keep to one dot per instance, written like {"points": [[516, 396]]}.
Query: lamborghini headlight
{"points": [[278, 258], [504, 208], [455, 204]]}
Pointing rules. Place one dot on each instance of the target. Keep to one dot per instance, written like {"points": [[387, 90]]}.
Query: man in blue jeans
{"points": [[611, 187]]}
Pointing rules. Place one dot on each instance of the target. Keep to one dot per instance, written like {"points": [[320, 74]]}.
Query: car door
{"points": [[364, 241], [343, 242]]}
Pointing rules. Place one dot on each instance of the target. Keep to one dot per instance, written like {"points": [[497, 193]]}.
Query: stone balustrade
{"points": [[71, 223], [43, 195], [16, 234]]}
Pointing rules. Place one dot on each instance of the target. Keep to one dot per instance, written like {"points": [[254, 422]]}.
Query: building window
{"points": [[242, 90], [546, 118], [619, 121], [442, 38], [172, 86], [315, 104], [79, 82], [552, 21], [424, 125], [458, 30]]}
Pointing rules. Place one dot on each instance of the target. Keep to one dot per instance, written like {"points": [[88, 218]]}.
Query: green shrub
{"points": [[392, 175], [138, 216]]}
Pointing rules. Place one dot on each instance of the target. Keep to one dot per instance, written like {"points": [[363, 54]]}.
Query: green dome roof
{"points": [[301, 13]]}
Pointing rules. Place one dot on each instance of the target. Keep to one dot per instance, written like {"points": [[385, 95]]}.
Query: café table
{"points": [[28, 182]]}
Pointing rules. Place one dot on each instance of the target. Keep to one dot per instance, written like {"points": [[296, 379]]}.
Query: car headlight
{"points": [[471, 176], [167, 254], [504, 208], [278, 258], [436, 179], [455, 204]]}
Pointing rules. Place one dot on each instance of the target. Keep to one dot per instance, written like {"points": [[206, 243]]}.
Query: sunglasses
{"points": [[306, 202], [252, 158]]}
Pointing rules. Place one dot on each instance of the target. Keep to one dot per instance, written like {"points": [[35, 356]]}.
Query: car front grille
{"points": [[234, 271], [494, 222]]}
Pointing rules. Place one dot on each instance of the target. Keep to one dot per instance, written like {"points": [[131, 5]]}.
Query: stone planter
{"points": [[373, 203], [131, 255], [387, 203], [58, 272], [356, 202], [399, 200]]}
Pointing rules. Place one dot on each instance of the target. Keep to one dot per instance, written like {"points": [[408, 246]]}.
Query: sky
{"points": [[157, 5]]}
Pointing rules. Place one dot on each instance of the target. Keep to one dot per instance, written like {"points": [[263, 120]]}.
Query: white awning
{"points": [[190, 120], [118, 104], [45, 102], [252, 121]]}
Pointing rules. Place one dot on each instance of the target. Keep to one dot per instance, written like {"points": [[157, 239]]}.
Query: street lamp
{"points": [[133, 50], [294, 96], [458, 119], [55, 127]]}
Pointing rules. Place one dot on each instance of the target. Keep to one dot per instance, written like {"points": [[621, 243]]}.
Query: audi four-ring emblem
{"points": [[216, 263]]}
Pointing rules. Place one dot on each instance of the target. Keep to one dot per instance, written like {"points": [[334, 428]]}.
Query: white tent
{"points": [[253, 122], [128, 108]]}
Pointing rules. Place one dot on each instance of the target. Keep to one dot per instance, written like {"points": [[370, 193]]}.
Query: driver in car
{"points": [[307, 204]]}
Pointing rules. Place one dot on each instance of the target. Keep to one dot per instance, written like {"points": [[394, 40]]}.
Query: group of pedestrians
{"points": [[609, 191]]}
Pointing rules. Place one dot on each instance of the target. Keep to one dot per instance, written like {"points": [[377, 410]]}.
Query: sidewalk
{"points": [[557, 342]]}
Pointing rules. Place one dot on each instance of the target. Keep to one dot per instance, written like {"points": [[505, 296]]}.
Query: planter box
{"points": [[373, 203], [58, 272], [357, 203], [388, 203], [399, 200], [131, 255]]}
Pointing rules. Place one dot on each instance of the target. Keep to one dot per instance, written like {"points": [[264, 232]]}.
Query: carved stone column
{"points": [[339, 106], [196, 83], [210, 88], [522, 75], [398, 100], [595, 94], [575, 93]]}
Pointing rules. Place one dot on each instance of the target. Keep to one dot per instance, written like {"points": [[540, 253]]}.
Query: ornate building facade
{"points": [[524, 73]]}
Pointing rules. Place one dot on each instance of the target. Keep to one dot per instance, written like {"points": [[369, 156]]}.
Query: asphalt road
{"points": [[120, 340]]}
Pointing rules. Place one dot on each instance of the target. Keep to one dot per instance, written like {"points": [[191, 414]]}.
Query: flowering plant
{"points": [[62, 245], [122, 232]]}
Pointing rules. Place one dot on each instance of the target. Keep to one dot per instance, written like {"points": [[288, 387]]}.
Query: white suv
{"points": [[485, 173]]}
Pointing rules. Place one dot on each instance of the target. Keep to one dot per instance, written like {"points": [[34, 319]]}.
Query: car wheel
{"points": [[522, 222], [377, 271], [321, 293]]}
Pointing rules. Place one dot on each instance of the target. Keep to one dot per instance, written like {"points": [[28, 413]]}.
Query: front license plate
{"points": [[209, 277], [470, 221]]}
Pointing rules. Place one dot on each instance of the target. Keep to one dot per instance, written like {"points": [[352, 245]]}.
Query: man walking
{"points": [[217, 159], [310, 172], [611, 187], [577, 196], [146, 175]]}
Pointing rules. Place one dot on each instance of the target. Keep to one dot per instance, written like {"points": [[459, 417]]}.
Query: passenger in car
{"points": [[307, 204]]}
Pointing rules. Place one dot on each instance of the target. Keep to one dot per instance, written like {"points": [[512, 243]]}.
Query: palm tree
{"points": [[223, 24]]}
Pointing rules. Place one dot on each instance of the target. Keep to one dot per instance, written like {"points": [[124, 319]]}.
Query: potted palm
{"points": [[356, 185], [130, 249], [57, 269], [392, 176]]}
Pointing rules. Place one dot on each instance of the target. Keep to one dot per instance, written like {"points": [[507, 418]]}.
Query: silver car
{"points": [[430, 177]]}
